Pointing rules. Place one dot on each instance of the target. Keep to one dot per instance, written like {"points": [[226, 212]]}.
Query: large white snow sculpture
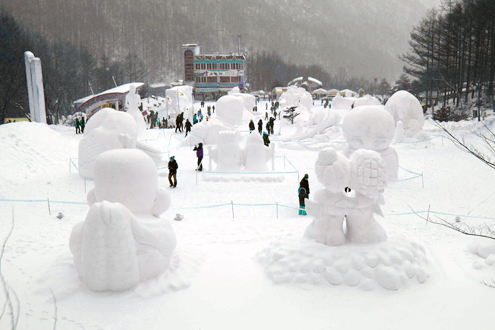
{"points": [[344, 103], [365, 174], [372, 127], [123, 241], [132, 106], [248, 100], [227, 153], [406, 107], [256, 154], [102, 134], [229, 108]]}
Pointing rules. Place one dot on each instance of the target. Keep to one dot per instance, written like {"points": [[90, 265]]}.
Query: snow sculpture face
{"points": [[405, 107], [102, 134], [130, 177], [229, 108], [368, 127]]}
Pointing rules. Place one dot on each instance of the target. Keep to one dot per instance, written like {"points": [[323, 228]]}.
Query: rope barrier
{"points": [[250, 205]]}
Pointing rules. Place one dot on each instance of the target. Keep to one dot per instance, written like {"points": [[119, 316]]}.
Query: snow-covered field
{"points": [[233, 224]]}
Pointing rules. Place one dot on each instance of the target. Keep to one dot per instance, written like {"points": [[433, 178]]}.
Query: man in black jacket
{"points": [[172, 171], [303, 194]]}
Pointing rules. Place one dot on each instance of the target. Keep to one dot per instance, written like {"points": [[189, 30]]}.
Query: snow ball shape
{"points": [[365, 174], [366, 100], [229, 108], [368, 127], [122, 241], [405, 107], [102, 134]]}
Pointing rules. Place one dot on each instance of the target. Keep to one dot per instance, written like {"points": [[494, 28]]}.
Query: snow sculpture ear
{"points": [[91, 197], [126, 140], [162, 202]]}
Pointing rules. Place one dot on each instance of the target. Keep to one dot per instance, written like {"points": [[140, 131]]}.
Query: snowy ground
{"points": [[229, 220]]}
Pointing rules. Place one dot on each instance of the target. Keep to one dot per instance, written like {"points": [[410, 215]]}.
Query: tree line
{"points": [[452, 53], [69, 72]]}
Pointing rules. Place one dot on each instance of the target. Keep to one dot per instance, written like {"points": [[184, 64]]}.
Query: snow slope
{"points": [[218, 279]]}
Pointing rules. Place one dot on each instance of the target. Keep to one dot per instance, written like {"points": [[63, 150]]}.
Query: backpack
{"points": [[301, 191]]}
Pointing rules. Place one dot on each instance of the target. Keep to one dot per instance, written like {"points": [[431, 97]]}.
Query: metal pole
{"points": [[84, 185], [48, 201], [232, 203], [70, 165], [422, 180], [277, 210]]}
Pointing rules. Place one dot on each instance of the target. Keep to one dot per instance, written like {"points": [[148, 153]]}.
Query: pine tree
{"points": [[291, 114]]}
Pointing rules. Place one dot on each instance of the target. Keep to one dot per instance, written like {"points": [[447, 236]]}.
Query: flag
{"points": [[182, 94], [169, 100]]}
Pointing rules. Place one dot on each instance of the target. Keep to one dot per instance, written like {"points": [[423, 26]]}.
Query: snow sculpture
{"points": [[371, 127], [248, 100], [227, 153], [102, 134], [366, 100], [123, 241], [365, 174], [296, 96], [344, 103], [331, 119], [132, 106], [229, 108], [256, 154], [405, 107], [36, 94]]}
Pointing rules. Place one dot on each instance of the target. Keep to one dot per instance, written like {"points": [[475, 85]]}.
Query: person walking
{"points": [[266, 139], [303, 194], [172, 171], [199, 154], [178, 122], [82, 123], [260, 126], [188, 126], [251, 126], [76, 124]]}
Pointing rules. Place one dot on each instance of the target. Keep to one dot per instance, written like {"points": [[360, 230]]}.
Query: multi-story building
{"points": [[213, 74]]}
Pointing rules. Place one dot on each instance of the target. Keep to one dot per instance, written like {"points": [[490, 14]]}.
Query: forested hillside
{"points": [[364, 37]]}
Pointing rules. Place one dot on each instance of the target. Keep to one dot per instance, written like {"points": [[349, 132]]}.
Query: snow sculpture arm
{"points": [[368, 173]]}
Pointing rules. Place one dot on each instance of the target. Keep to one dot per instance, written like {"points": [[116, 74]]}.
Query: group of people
{"points": [[269, 128], [173, 166], [79, 124]]}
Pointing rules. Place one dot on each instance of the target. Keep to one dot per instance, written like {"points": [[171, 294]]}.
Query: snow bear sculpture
{"points": [[353, 191], [123, 241], [372, 127]]}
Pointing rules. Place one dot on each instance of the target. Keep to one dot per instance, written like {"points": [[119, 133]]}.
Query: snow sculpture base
{"points": [[389, 265]]}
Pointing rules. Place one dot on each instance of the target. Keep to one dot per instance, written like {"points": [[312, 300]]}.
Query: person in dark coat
{"points": [[178, 123], [82, 123], [272, 124], [188, 126], [172, 171], [199, 154], [76, 124], [260, 126], [303, 194], [251, 126], [266, 139]]}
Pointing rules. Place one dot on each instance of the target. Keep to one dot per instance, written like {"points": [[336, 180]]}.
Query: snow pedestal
{"points": [[372, 128], [405, 107], [123, 241], [256, 154]]}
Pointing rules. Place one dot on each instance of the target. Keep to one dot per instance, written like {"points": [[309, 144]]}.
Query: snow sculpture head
{"points": [[113, 248], [366, 100], [130, 177], [102, 134], [405, 107], [368, 127], [132, 107], [365, 174], [229, 108]]}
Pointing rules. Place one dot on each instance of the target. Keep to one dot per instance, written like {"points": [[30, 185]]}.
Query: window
{"points": [[200, 79], [224, 79], [211, 79], [234, 79]]}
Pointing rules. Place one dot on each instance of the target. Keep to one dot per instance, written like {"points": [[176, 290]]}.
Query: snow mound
{"points": [[391, 265], [485, 249], [24, 150]]}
